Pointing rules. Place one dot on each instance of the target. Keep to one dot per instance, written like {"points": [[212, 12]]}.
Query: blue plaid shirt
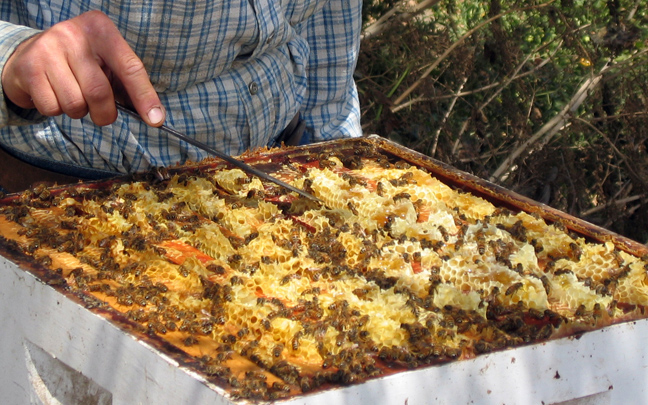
{"points": [[230, 73]]}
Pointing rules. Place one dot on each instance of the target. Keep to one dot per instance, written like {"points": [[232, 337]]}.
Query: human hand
{"points": [[78, 66]]}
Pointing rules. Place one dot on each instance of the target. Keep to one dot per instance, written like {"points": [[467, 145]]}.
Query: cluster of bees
{"points": [[275, 297]]}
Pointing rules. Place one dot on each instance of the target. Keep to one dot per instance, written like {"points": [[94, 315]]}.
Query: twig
{"points": [[613, 117], [623, 157], [390, 18], [554, 125], [633, 11], [455, 147], [620, 68], [571, 182], [468, 92], [517, 69], [445, 117], [629, 212], [371, 29], [625, 189], [621, 201], [506, 83]]}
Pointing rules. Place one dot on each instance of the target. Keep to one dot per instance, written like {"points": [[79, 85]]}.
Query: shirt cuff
{"points": [[11, 36]]}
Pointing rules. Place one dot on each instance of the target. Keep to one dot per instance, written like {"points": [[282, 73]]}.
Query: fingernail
{"points": [[155, 115]]}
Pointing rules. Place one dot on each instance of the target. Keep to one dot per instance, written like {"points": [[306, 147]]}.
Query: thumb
{"points": [[130, 72]]}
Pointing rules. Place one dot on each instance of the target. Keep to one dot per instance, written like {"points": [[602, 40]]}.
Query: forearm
{"points": [[11, 36]]}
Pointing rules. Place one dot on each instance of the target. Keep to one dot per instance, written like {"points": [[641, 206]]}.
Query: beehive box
{"points": [[415, 283]]}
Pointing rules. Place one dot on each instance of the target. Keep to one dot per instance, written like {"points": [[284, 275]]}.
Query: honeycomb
{"points": [[275, 296]]}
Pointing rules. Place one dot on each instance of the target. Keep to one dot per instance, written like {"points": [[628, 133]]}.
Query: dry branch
{"points": [[445, 118], [554, 125], [397, 15], [628, 164], [620, 202]]}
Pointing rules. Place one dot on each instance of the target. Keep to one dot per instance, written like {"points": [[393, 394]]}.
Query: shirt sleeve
{"points": [[331, 107], [11, 36]]}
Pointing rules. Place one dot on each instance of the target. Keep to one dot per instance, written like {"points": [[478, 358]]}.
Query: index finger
{"points": [[122, 61]]}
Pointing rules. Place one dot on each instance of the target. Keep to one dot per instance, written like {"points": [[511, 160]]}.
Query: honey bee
{"points": [[623, 273], [224, 355], [575, 251], [216, 269], [206, 327], [545, 332], [513, 288], [553, 317], [340, 339], [546, 284], [229, 339], [560, 225], [314, 291], [160, 174], [305, 384], [597, 311], [481, 243], [380, 189], [352, 208], [537, 246], [401, 196], [169, 216], [215, 370], [277, 349], [444, 233], [308, 185], [580, 311], [463, 326], [361, 292], [602, 289], [518, 231], [295, 341], [411, 304], [156, 327], [32, 247], [137, 315], [243, 332], [535, 314], [126, 300], [250, 237], [286, 279], [234, 382], [242, 181], [45, 260], [407, 178], [266, 260], [236, 280]]}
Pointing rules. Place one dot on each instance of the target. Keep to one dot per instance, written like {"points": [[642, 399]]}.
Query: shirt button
{"points": [[253, 88], [270, 38]]}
